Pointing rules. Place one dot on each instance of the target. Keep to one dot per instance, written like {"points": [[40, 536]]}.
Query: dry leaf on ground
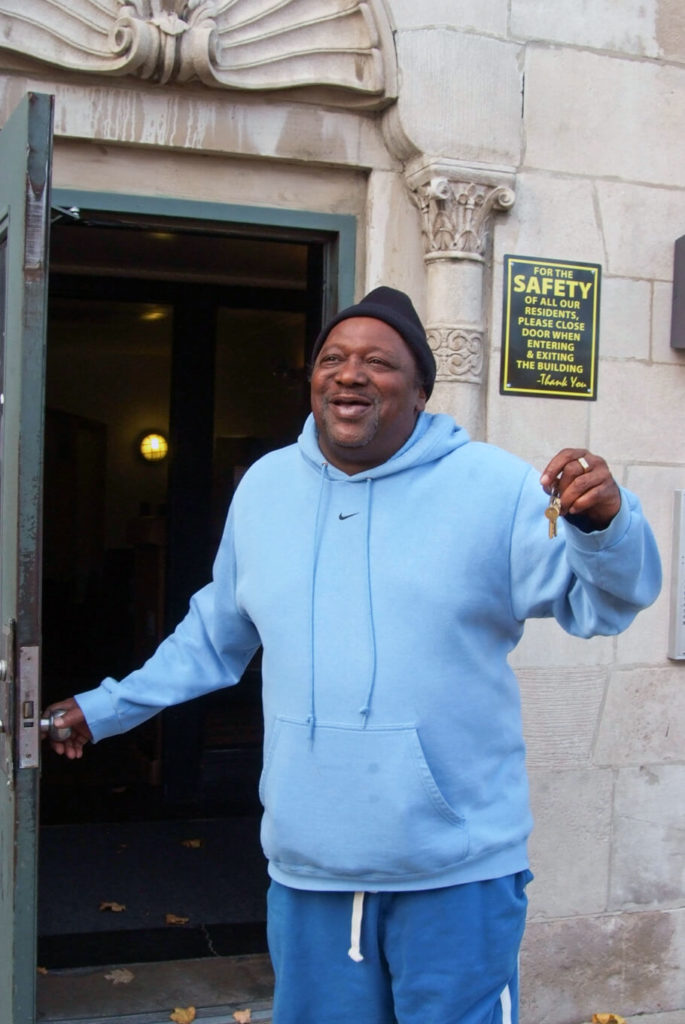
{"points": [[175, 919], [243, 1016], [112, 905], [42, 970], [120, 976], [181, 1016], [192, 844], [607, 1018]]}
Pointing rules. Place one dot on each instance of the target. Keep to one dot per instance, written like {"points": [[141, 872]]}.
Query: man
{"points": [[387, 564]]}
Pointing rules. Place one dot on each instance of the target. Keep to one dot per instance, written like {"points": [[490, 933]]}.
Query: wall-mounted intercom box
{"points": [[676, 644]]}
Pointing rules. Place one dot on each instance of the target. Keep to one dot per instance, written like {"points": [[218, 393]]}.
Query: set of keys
{"points": [[552, 512]]}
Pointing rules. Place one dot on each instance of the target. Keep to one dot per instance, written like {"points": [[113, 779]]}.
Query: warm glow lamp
{"points": [[154, 447]]}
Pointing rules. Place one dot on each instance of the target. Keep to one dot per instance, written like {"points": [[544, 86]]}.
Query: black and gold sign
{"points": [[550, 328]]}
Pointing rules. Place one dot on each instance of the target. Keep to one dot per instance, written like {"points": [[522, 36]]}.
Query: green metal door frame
{"points": [[333, 235], [339, 231]]}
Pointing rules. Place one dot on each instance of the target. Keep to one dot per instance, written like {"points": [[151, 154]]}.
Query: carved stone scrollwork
{"points": [[339, 51], [163, 42], [458, 353], [456, 215]]}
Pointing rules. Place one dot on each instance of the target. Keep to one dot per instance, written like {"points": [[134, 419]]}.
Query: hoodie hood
{"points": [[434, 436]]}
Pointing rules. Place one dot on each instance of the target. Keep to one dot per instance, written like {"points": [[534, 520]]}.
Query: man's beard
{"points": [[369, 427]]}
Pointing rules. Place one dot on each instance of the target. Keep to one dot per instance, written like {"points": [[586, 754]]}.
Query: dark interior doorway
{"points": [[199, 332]]}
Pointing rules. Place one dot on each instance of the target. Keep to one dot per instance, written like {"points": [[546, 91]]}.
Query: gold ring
{"points": [[584, 464]]}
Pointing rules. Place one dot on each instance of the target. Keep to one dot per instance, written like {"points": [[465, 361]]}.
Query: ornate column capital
{"points": [[456, 205]]}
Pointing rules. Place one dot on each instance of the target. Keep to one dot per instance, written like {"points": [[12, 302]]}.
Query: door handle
{"points": [[49, 726]]}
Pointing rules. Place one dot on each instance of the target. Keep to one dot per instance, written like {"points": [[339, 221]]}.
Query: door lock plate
{"points": [[28, 724]]}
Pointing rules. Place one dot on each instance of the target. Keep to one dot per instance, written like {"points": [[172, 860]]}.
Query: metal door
{"points": [[25, 157]]}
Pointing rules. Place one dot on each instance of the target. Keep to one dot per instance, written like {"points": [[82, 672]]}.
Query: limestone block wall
{"points": [[586, 103]]}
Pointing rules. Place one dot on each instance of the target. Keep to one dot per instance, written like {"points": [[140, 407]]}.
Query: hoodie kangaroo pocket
{"points": [[359, 803]]}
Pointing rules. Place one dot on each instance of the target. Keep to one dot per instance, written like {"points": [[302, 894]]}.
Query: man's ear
{"points": [[421, 399]]}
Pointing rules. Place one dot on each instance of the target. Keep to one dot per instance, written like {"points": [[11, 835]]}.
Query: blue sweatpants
{"points": [[447, 955]]}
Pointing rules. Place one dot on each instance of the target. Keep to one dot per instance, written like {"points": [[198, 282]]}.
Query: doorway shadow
{"points": [[201, 332]]}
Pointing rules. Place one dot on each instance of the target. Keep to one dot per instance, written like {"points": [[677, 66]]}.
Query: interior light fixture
{"points": [[153, 447], [151, 315]]}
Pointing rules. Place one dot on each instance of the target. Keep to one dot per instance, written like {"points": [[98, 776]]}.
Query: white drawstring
{"points": [[354, 952]]}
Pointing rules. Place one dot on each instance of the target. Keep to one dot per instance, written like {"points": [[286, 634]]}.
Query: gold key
{"points": [[552, 512]]}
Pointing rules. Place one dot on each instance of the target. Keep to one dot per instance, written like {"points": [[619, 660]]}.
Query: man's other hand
{"points": [[74, 719]]}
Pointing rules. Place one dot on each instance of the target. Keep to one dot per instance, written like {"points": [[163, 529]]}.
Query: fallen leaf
{"points": [[42, 970], [120, 976], [192, 844], [607, 1018], [181, 1016], [243, 1016], [174, 919], [116, 908]]}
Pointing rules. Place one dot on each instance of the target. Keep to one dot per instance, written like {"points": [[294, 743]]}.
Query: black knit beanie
{"points": [[394, 308]]}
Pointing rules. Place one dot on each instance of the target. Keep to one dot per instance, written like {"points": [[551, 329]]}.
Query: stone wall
{"points": [[586, 102]]}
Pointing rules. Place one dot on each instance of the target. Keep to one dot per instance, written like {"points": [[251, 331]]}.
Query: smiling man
{"points": [[365, 394], [396, 811], [367, 390]]}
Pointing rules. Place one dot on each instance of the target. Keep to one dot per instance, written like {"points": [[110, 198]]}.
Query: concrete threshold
{"points": [[148, 993]]}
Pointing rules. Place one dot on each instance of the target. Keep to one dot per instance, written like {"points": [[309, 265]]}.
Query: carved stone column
{"points": [[457, 205]]}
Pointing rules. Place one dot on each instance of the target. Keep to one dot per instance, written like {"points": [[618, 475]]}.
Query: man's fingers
{"points": [[568, 461], [67, 714], [584, 483]]}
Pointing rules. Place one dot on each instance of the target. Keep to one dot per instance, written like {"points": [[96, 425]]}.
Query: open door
{"points": [[25, 158]]}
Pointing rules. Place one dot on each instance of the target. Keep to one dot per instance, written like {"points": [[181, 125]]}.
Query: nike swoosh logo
{"points": [[348, 516]]}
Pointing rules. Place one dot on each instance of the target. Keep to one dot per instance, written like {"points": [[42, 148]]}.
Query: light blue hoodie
{"points": [[387, 603]]}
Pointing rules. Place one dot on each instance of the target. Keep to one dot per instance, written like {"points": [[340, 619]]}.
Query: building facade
{"points": [[449, 135]]}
